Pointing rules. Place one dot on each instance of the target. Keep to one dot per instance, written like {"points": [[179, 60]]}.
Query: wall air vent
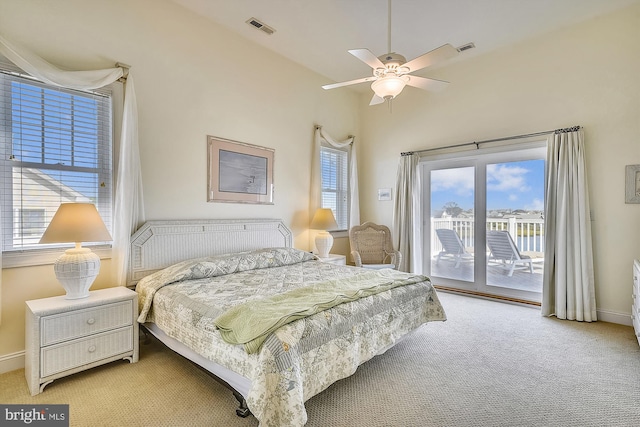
{"points": [[260, 26], [466, 47]]}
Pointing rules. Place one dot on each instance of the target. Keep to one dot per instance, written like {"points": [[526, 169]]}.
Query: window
{"points": [[55, 147], [335, 183]]}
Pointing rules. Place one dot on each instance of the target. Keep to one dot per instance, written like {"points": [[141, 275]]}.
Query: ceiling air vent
{"points": [[466, 47], [260, 26]]}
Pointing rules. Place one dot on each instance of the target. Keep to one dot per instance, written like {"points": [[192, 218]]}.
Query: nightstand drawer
{"points": [[80, 323], [76, 353]]}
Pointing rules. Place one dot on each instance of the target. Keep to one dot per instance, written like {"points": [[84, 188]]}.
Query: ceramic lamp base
{"points": [[324, 243], [76, 270]]}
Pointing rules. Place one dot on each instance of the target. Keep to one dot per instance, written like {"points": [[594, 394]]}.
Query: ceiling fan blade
{"points": [[350, 82], [366, 56], [427, 84], [441, 53], [376, 100]]}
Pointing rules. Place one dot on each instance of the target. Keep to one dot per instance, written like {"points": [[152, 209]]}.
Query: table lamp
{"points": [[78, 267], [324, 220]]}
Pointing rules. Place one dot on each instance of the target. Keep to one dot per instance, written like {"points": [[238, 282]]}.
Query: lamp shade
{"points": [[388, 87], [76, 222], [323, 219]]}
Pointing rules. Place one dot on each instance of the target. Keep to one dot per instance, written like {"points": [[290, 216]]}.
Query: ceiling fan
{"points": [[391, 71]]}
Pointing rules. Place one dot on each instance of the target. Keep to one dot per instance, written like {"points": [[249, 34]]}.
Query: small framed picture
{"points": [[632, 184], [239, 172], [384, 194]]}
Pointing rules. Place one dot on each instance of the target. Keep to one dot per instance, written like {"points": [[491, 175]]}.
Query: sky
{"points": [[510, 185]]}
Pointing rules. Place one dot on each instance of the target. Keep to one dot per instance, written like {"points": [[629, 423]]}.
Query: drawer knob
{"points": [[91, 321], [92, 349]]}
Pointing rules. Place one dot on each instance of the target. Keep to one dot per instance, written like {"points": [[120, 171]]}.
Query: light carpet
{"points": [[490, 364]]}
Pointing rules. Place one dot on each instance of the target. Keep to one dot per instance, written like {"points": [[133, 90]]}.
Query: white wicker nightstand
{"points": [[335, 259], [68, 336]]}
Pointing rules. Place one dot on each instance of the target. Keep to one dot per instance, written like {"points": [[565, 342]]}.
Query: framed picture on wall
{"points": [[384, 194], [239, 172], [632, 184]]}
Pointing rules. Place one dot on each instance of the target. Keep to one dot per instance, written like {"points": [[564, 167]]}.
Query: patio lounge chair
{"points": [[452, 246], [505, 252]]}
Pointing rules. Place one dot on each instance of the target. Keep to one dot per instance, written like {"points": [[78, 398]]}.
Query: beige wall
{"points": [[586, 75], [192, 79]]}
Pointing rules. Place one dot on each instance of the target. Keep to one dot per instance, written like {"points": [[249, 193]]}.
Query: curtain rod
{"points": [[125, 71], [348, 136], [506, 138], [11, 69]]}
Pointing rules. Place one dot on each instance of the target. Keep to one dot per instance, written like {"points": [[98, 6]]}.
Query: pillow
{"points": [[214, 266], [220, 265]]}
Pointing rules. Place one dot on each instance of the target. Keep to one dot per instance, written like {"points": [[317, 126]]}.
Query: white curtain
{"points": [[568, 281], [129, 202], [320, 138], [406, 214], [128, 210]]}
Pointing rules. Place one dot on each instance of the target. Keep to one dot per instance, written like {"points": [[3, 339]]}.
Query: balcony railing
{"points": [[528, 234]]}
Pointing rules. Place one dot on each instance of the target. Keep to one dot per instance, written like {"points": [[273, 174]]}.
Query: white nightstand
{"points": [[68, 336], [335, 259]]}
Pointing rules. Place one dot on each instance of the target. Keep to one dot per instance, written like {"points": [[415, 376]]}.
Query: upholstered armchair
{"points": [[371, 247]]}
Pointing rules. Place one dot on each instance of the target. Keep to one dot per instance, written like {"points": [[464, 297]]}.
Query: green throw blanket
{"points": [[250, 323]]}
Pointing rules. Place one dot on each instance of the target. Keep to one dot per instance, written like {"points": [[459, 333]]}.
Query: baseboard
{"points": [[603, 315], [11, 362], [613, 317]]}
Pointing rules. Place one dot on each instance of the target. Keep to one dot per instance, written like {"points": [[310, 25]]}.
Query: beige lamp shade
{"points": [[76, 222], [77, 268], [323, 220]]}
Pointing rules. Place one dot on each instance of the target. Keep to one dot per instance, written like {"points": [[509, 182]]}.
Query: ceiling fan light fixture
{"points": [[391, 71], [389, 87]]}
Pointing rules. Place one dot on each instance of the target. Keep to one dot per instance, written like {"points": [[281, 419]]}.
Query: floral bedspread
{"points": [[300, 359]]}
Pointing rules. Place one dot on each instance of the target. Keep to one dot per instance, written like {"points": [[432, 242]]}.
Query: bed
{"points": [[207, 288]]}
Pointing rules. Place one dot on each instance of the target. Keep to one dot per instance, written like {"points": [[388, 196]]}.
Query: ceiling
{"points": [[318, 33]]}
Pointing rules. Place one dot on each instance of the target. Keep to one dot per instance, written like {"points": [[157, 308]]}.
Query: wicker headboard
{"points": [[159, 244]]}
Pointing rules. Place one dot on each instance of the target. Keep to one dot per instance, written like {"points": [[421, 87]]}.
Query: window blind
{"points": [[335, 184], [55, 147]]}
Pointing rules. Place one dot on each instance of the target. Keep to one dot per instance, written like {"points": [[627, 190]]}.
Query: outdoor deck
{"points": [[496, 275], [526, 234]]}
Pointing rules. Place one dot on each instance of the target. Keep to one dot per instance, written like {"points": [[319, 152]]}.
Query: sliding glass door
{"points": [[483, 221]]}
